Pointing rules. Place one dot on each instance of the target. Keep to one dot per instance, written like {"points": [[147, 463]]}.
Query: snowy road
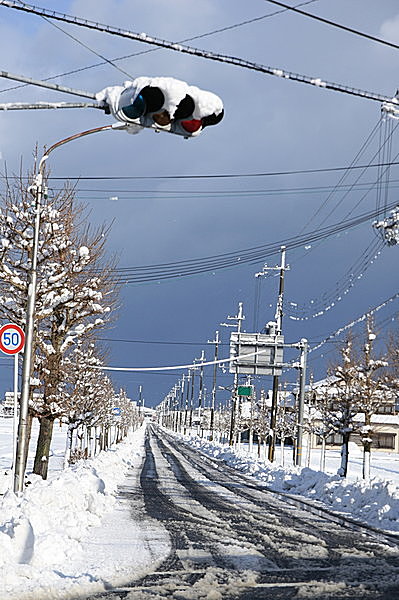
{"points": [[231, 539]]}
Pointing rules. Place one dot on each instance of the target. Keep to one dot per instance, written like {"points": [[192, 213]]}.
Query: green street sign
{"points": [[245, 390]]}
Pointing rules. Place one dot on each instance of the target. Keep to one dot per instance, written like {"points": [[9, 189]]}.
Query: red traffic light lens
{"points": [[192, 125]]}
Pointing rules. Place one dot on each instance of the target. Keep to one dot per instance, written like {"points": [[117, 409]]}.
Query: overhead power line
{"points": [[335, 24], [363, 317], [223, 193], [75, 39], [184, 268], [190, 39], [202, 363], [144, 38], [217, 175], [158, 342]]}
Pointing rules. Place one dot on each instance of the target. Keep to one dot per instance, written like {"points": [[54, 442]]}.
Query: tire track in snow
{"points": [[235, 541]]}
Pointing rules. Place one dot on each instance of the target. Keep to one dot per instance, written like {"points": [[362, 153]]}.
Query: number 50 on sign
{"points": [[12, 339]]}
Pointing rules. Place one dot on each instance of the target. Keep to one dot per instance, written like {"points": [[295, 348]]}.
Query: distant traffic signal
{"points": [[163, 103]]}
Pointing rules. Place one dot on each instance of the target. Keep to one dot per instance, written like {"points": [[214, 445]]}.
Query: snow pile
{"points": [[54, 536], [375, 502], [174, 91], [44, 525]]}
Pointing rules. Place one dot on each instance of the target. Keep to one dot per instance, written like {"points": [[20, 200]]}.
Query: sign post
{"points": [[12, 340]]}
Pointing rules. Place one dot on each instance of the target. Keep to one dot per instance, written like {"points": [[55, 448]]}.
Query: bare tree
{"points": [[317, 419], [373, 391], [285, 426], [262, 421], [344, 403], [76, 293]]}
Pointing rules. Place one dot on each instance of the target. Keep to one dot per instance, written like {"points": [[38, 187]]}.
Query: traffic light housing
{"points": [[163, 103]]}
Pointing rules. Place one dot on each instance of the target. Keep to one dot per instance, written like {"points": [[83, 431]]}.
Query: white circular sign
{"points": [[12, 338]]}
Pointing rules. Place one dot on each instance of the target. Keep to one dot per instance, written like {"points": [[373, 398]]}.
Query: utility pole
{"points": [[186, 405], [140, 399], [192, 398], [234, 398], [176, 406], [181, 404], [216, 341], [201, 391], [301, 404], [279, 324]]}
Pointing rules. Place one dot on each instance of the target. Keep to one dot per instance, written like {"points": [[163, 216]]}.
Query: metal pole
{"points": [[38, 191], [212, 419], [190, 421], [181, 404], [15, 415], [22, 440], [200, 392], [301, 403], [234, 399], [186, 402], [140, 399], [279, 323]]}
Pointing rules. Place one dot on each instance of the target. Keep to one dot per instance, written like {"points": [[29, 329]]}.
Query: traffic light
{"points": [[163, 103]]}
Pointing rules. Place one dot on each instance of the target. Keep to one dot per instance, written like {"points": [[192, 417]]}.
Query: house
{"points": [[7, 404], [385, 421]]}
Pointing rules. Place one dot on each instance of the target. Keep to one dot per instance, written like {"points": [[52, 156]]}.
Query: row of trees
{"points": [[77, 296], [357, 386], [359, 383]]}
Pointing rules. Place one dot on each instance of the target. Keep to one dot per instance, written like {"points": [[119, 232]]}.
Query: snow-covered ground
{"points": [[73, 534], [375, 502], [76, 533]]}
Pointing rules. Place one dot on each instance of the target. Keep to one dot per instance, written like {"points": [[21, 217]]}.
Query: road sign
{"points": [[245, 390], [259, 354], [12, 339]]}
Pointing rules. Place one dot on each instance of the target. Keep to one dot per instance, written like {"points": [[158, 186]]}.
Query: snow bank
{"points": [[46, 532], [375, 502]]}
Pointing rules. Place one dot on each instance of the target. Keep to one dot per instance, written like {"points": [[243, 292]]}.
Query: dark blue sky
{"points": [[271, 124]]}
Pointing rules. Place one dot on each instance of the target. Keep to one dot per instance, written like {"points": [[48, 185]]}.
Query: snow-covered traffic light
{"points": [[163, 103]]}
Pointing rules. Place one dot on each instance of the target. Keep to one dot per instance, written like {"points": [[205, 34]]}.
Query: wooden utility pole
{"points": [[216, 341], [279, 324], [234, 398]]}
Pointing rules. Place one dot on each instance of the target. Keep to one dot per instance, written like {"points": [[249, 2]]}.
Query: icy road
{"points": [[231, 539]]}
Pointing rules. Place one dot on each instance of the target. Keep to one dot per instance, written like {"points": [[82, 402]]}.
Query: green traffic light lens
{"points": [[136, 109]]}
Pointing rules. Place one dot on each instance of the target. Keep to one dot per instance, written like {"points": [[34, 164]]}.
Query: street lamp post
{"points": [[39, 192], [144, 103]]}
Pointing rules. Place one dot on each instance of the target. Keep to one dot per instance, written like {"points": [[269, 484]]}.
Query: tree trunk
{"points": [[343, 470], [43, 446], [282, 451]]}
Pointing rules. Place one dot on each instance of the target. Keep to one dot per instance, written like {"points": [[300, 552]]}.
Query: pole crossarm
{"points": [[45, 84], [47, 105]]}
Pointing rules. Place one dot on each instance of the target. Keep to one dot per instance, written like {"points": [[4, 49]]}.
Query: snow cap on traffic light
{"points": [[163, 103]]}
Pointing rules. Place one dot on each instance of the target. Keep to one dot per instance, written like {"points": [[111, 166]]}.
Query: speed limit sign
{"points": [[12, 338]]}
